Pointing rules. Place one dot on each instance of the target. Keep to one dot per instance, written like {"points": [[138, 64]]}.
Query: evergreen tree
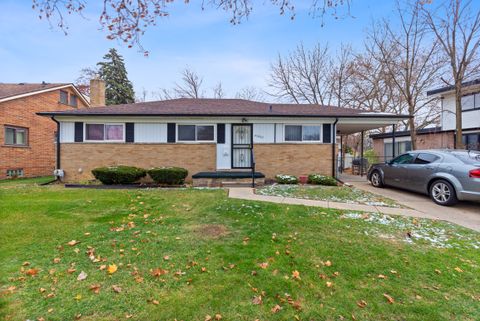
{"points": [[118, 89]]}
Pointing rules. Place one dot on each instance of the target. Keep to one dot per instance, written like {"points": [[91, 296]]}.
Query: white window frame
{"points": [[196, 140], [320, 141], [104, 132]]}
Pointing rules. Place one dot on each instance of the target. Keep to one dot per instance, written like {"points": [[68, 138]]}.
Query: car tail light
{"points": [[474, 173]]}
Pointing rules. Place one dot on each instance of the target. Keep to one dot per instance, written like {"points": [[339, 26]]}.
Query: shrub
{"points": [[286, 179], [318, 179], [168, 175], [118, 174]]}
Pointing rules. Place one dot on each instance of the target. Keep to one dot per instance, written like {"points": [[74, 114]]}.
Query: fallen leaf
{"points": [[95, 288], [276, 308], [393, 272], [116, 288], [31, 272], [73, 242], [458, 269], [26, 263], [102, 267], [56, 260], [381, 276], [296, 275], [208, 318], [71, 270], [328, 263], [82, 276], [218, 316], [112, 269], [329, 284], [263, 265], [41, 290], [51, 295], [158, 272], [204, 269], [257, 300], [78, 297], [438, 271], [362, 303], [166, 257], [155, 302], [389, 298]]}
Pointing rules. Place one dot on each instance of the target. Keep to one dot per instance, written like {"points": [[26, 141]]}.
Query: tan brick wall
{"points": [[38, 158], [293, 159], [87, 156]]}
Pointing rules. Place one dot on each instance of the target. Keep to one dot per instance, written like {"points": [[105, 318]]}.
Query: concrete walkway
{"points": [[473, 222]]}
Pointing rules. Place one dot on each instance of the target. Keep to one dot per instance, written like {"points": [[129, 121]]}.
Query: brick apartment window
{"points": [[63, 97], [73, 101], [16, 136], [12, 173]]}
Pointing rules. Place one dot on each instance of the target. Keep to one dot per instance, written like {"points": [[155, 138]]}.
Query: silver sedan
{"points": [[447, 176]]}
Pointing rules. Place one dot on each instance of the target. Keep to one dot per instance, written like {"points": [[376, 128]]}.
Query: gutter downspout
{"points": [[57, 166], [334, 142]]}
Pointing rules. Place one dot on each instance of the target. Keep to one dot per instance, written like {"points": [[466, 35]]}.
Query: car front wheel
{"points": [[443, 193], [376, 179]]}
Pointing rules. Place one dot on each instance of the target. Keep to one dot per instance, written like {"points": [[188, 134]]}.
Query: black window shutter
{"points": [[327, 133], [171, 132], [129, 132], [221, 133], [78, 132]]}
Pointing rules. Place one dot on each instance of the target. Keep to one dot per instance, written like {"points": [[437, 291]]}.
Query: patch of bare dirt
{"points": [[213, 231]]}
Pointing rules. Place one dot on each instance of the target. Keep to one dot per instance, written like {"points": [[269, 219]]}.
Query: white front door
{"points": [[224, 157]]}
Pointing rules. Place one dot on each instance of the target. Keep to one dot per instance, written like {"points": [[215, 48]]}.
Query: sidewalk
{"points": [[247, 193]]}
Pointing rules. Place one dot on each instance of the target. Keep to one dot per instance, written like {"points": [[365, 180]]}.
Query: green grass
{"points": [[26, 181], [229, 238], [328, 193]]}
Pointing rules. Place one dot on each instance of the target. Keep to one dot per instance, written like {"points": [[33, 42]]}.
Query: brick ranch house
{"points": [[208, 135], [27, 147]]}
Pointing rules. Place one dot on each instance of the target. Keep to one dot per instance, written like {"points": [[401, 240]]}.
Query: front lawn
{"points": [[343, 194], [26, 181], [68, 254]]}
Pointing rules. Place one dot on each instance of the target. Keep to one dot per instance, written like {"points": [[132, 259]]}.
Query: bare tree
{"points": [[456, 26], [218, 91], [303, 76], [341, 74], [411, 62], [250, 93], [143, 97], [83, 81], [127, 20], [191, 85]]}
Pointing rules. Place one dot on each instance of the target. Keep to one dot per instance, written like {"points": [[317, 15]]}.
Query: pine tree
{"points": [[118, 89]]}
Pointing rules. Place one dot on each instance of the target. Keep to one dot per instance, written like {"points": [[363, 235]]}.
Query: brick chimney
{"points": [[97, 92]]}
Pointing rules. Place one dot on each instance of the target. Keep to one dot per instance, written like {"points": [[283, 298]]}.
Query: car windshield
{"points": [[471, 157]]}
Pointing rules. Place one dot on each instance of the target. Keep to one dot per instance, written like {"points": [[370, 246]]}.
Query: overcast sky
{"points": [[238, 56]]}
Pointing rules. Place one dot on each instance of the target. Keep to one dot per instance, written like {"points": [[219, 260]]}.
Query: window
{"points": [[298, 133], [195, 133], [15, 172], [104, 132], [424, 158], [73, 101], [400, 148], [403, 159], [16, 136], [311, 133], [471, 101], [63, 97], [471, 141]]}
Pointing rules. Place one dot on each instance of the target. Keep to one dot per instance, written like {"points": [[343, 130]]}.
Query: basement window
{"points": [[14, 173]]}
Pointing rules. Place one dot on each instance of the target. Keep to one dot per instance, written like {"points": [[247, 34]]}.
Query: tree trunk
{"points": [[411, 124], [458, 116]]}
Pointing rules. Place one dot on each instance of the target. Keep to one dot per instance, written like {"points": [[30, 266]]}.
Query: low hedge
{"points": [[168, 175], [318, 179], [286, 179], [118, 174]]}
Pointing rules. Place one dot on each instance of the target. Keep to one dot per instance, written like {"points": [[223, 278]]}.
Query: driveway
{"points": [[466, 214]]}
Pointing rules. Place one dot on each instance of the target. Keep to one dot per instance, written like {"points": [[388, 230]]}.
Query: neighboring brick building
{"points": [[27, 141]]}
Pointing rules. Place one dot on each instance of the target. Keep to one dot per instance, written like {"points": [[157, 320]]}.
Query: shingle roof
{"points": [[217, 107], [9, 90], [452, 87]]}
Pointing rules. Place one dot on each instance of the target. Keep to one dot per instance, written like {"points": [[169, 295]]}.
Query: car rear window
{"points": [[471, 158]]}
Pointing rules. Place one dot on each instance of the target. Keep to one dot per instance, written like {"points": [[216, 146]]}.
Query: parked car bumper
{"points": [[469, 196]]}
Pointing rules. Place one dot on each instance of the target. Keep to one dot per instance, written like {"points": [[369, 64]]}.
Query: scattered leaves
{"points": [[112, 268], [82, 276], [116, 288], [296, 275], [73, 242], [389, 298], [362, 303], [276, 309]]}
